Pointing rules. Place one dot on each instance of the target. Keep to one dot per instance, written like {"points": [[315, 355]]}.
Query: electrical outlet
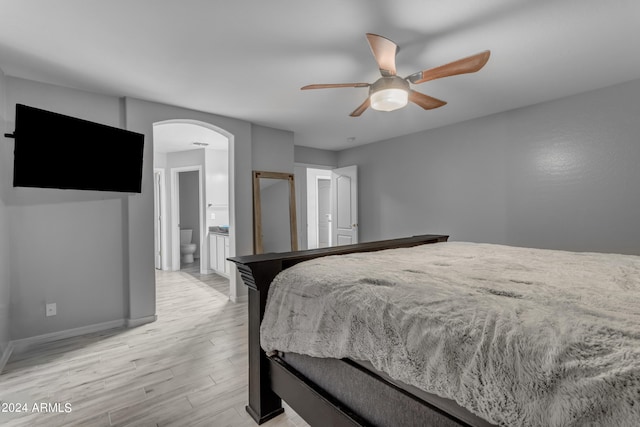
{"points": [[52, 309]]}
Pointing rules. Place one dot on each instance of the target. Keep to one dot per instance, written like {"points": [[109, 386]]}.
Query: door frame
{"points": [[162, 233], [308, 197], [310, 213], [317, 213], [175, 218]]}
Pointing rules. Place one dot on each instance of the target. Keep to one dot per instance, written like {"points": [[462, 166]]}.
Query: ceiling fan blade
{"points": [[425, 101], [332, 85], [384, 51], [358, 111], [470, 64]]}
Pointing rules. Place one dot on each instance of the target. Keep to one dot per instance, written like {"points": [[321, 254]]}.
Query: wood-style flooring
{"points": [[189, 368]]}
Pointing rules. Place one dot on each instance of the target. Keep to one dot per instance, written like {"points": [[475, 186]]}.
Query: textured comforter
{"points": [[518, 336]]}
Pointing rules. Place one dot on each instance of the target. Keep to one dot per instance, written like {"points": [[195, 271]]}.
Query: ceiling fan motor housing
{"points": [[389, 93]]}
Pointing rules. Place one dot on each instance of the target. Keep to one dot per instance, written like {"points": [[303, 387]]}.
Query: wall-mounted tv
{"points": [[57, 151]]}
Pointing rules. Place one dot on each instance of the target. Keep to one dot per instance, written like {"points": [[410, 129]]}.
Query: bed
{"points": [[588, 373]]}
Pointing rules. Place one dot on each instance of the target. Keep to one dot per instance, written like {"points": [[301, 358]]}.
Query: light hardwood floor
{"points": [[189, 368]]}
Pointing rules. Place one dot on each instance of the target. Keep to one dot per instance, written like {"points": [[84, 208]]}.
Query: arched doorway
{"points": [[182, 146]]}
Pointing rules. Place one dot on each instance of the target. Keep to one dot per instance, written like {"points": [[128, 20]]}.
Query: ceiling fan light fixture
{"points": [[389, 93], [389, 99]]}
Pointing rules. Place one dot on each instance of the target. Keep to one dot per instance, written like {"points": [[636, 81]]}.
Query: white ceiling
{"points": [[248, 59]]}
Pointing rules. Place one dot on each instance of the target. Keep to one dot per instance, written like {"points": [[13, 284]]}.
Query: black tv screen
{"points": [[57, 151]]}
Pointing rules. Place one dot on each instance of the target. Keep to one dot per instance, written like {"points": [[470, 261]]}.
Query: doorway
{"points": [[181, 145], [332, 207], [318, 206], [187, 207], [189, 218]]}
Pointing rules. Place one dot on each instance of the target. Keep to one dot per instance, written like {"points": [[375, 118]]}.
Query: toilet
{"points": [[186, 247]]}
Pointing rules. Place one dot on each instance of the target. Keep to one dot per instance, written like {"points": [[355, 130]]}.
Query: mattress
{"points": [[517, 336]]}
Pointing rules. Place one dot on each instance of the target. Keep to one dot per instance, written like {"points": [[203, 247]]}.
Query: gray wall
{"points": [[315, 156], [562, 174], [66, 246], [272, 149], [6, 157]]}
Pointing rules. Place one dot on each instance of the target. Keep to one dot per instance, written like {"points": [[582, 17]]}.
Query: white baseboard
{"points": [[134, 323], [6, 354]]}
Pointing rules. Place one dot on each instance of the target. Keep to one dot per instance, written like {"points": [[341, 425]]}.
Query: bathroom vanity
{"points": [[219, 251]]}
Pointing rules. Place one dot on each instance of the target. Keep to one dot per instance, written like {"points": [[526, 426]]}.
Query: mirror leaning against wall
{"points": [[274, 212]]}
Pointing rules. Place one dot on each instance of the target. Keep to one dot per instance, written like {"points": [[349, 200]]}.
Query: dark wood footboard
{"points": [[258, 271]]}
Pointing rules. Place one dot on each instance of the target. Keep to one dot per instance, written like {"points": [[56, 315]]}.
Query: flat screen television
{"points": [[57, 151]]}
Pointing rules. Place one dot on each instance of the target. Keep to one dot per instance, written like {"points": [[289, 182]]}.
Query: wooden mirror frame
{"points": [[257, 209]]}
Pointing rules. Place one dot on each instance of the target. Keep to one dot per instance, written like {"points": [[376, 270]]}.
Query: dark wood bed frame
{"points": [[271, 378]]}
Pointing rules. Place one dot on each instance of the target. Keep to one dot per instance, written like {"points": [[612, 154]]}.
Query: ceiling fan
{"points": [[391, 92]]}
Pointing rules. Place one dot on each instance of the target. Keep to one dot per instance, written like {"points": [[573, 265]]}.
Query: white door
{"points": [[344, 206]]}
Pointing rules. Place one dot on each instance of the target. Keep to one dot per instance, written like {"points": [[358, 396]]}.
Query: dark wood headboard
{"points": [[258, 271]]}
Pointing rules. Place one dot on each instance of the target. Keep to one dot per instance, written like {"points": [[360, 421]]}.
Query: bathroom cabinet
{"points": [[218, 253]]}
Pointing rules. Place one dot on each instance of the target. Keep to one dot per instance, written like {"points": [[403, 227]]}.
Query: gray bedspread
{"points": [[518, 336]]}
